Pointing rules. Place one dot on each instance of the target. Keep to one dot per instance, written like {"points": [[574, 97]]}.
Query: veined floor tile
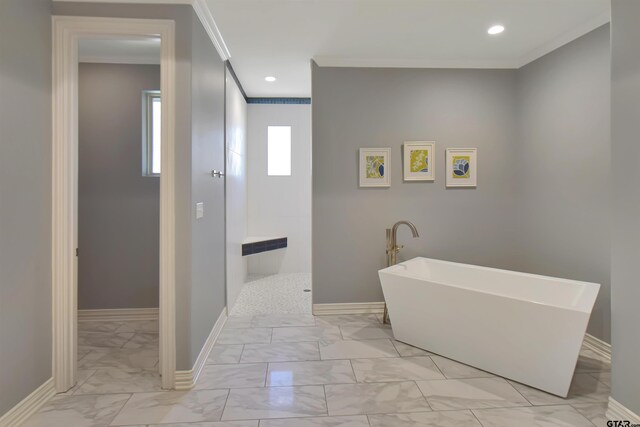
{"points": [[280, 352], [245, 336], [253, 423], [603, 377], [114, 380], [456, 370], [366, 332], [232, 376], [589, 361], [594, 412], [357, 349], [282, 320], [396, 369], [306, 333], [149, 326], [103, 339], [352, 421], [225, 354], [83, 375], [98, 325], [356, 399], [584, 389], [143, 340], [78, 411], [537, 416], [238, 322], [348, 320], [422, 419], [310, 373], [172, 407], [275, 402], [407, 350], [471, 393], [123, 358]]}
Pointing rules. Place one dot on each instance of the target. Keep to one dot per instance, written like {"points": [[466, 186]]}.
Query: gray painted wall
{"points": [[208, 249], [119, 220], [25, 195], [365, 107], [625, 127], [563, 167], [188, 326], [542, 134]]}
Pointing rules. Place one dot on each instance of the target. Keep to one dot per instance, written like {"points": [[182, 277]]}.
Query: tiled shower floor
{"points": [[277, 294], [299, 370]]}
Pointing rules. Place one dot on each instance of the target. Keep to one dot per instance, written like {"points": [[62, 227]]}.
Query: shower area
{"points": [[268, 180]]}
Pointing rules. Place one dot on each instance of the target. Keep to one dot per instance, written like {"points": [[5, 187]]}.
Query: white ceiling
{"points": [[141, 50], [279, 37]]}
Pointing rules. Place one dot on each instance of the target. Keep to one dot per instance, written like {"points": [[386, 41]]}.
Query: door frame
{"points": [[67, 30]]}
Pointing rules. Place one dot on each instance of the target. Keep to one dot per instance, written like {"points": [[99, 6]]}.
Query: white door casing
{"points": [[66, 33]]}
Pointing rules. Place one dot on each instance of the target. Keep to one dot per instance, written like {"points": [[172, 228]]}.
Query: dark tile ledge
{"points": [[257, 245]]}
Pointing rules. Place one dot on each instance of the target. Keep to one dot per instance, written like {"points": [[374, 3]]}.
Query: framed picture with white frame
{"points": [[419, 161], [462, 167], [374, 167]]}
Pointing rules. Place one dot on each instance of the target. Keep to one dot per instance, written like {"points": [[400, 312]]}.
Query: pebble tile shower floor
{"points": [[299, 370], [280, 293]]}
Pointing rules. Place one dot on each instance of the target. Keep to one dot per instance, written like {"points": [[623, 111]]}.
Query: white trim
{"points": [[199, 6], [564, 39], [29, 405], [597, 346], [85, 59], [206, 19], [349, 308], [185, 380], [617, 411], [119, 314], [337, 61], [66, 32]]}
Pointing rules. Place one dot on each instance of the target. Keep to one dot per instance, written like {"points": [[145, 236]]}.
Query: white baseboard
{"points": [[185, 380], [350, 308], [618, 412], [598, 346], [119, 314], [29, 405]]}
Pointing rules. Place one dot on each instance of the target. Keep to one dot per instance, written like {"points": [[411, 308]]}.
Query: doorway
{"points": [[69, 34]]}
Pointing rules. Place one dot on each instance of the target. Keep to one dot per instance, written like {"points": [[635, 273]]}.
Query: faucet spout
{"points": [[413, 228]]}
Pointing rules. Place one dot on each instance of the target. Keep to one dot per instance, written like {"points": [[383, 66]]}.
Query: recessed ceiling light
{"points": [[270, 79], [496, 29]]}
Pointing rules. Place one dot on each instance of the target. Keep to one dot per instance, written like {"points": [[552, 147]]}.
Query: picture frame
{"points": [[419, 161], [375, 167], [462, 167]]}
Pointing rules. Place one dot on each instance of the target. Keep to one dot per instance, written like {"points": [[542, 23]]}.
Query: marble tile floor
{"points": [[299, 370]]}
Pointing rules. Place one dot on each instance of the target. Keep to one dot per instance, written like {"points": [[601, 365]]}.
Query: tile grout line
{"points": [[476, 417], [423, 396]]}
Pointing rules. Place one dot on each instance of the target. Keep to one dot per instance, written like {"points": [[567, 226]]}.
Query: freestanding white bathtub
{"points": [[520, 326]]}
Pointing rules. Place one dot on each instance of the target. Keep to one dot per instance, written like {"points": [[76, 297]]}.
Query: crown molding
{"points": [[564, 38], [199, 6], [335, 61]]}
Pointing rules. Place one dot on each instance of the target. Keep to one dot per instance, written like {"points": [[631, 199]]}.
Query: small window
{"points": [[279, 150], [151, 133]]}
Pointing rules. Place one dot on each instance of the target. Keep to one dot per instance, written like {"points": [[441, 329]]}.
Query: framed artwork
{"points": [[462, 167], [419, 161], [374, 167]]}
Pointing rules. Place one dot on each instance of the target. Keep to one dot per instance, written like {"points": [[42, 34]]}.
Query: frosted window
{"points": [[279, 150], [152, 133]]}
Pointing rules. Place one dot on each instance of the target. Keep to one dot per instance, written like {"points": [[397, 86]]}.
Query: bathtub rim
{"points": [[590, 294]]}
